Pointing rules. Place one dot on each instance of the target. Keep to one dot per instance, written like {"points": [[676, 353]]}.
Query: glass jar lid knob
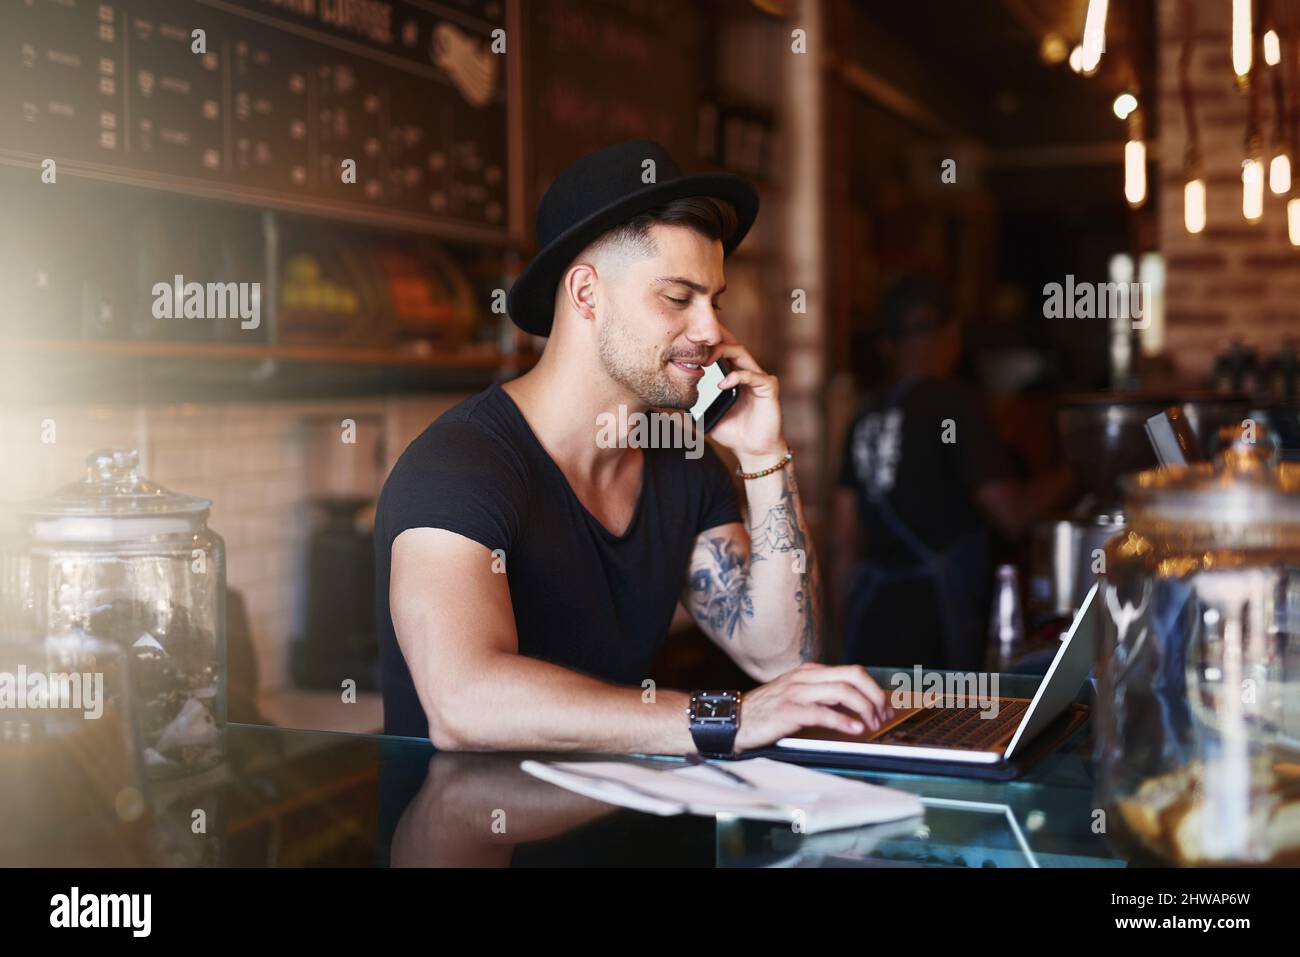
{"points": [[113, 465]]}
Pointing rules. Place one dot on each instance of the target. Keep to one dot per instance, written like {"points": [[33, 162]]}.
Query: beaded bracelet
{"points": [[786, 460]]}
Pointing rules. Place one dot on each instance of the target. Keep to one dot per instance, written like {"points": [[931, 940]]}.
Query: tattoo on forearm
{"points": [[810, 603], [719, 587], [779, 532]]}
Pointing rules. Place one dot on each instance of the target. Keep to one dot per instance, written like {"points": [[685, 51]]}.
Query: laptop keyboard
{"points": [[963, 728]]}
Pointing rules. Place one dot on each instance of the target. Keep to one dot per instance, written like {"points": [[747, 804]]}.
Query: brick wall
{"points": [[256, 461], [1234, 279]]}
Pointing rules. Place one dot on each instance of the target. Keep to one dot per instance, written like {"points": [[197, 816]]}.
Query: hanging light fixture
{"points": [[1252, 189], [1135, 162], [1194, 203], [1252, 181], [1279, 173], [1242, 41], [1272, 48], [1124, 105], [1279, 167], [1135, 172], [1193, 173], [1094, 35], [1293, 76], [1253, 170]]}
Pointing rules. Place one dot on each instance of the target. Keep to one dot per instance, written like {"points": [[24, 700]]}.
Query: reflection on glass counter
{"points": [[309, 798]]}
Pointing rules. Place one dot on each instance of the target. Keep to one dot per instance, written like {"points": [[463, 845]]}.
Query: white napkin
{"points": [[811, 801]]}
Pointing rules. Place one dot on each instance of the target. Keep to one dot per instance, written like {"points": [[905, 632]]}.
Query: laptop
{"points": [[951, 730]]}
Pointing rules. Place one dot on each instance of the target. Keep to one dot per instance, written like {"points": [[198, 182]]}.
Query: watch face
{"points": [[715, 708]]}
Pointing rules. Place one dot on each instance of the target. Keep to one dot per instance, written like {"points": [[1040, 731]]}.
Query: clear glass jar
{"points": [[122, 560], [1198, 706]]}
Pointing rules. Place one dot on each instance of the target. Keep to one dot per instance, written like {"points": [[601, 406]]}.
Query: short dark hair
{"points": [[711, 218]]}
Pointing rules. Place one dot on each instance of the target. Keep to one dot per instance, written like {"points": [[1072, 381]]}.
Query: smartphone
{"points": [[713, 402]]}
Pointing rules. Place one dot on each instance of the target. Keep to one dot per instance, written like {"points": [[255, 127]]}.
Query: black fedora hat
{"points": [[597, 193]]}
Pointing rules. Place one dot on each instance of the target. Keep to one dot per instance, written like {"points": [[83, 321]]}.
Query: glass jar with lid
{"points": [[1198, 704], [119, 559]]}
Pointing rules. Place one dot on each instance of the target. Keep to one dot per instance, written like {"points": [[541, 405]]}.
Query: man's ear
{"points": [[578, 290]]}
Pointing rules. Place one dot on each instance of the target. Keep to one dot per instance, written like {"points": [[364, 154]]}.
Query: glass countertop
{"points": [[289, 798]]}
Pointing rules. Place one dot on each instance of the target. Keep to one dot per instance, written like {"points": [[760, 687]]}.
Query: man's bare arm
{"points": [[757, 593], [455, 626], [456, 629]]}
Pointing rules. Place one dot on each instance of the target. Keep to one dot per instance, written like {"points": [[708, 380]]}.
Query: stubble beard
{"points": [[651, 383]]}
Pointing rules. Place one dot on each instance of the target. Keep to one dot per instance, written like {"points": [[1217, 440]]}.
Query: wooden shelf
{"points": [[44, 370], [475, 357]]}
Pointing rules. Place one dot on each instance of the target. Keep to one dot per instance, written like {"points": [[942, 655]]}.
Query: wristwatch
{"points": [[715, 719]]}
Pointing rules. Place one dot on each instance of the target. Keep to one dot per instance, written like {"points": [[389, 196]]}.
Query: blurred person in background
{"points": [[924, 484]]}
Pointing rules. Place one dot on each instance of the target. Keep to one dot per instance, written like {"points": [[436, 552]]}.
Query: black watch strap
{"points": [[714, 740]]}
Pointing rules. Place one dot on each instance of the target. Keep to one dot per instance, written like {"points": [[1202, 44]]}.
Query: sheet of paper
{"points": [[812, 800]]}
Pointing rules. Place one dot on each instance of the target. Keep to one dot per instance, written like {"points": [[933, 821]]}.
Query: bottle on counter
{"points": [[1007, 623], [1237, 369], [1283, 374]]}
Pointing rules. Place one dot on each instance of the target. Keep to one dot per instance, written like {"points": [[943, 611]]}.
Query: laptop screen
{"points": [[1067, 673]]}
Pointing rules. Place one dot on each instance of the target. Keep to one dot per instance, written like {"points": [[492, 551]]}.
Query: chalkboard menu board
{"points": [[605, 71], [281, 96]]}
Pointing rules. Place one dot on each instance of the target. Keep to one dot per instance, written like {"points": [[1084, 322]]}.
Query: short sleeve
{"points": [[458, 478], [718, 505]]}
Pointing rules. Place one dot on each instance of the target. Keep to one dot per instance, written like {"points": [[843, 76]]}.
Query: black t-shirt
{"points": [[583, 597], [926, 467]]}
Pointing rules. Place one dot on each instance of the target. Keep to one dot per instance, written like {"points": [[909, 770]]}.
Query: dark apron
{"points": [[958, 575]]}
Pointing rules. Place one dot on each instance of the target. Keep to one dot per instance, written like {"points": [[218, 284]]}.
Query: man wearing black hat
{"points": [[528, 572]]}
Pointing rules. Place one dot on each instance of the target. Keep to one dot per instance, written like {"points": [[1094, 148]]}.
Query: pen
{"points": [[730, 775]]}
